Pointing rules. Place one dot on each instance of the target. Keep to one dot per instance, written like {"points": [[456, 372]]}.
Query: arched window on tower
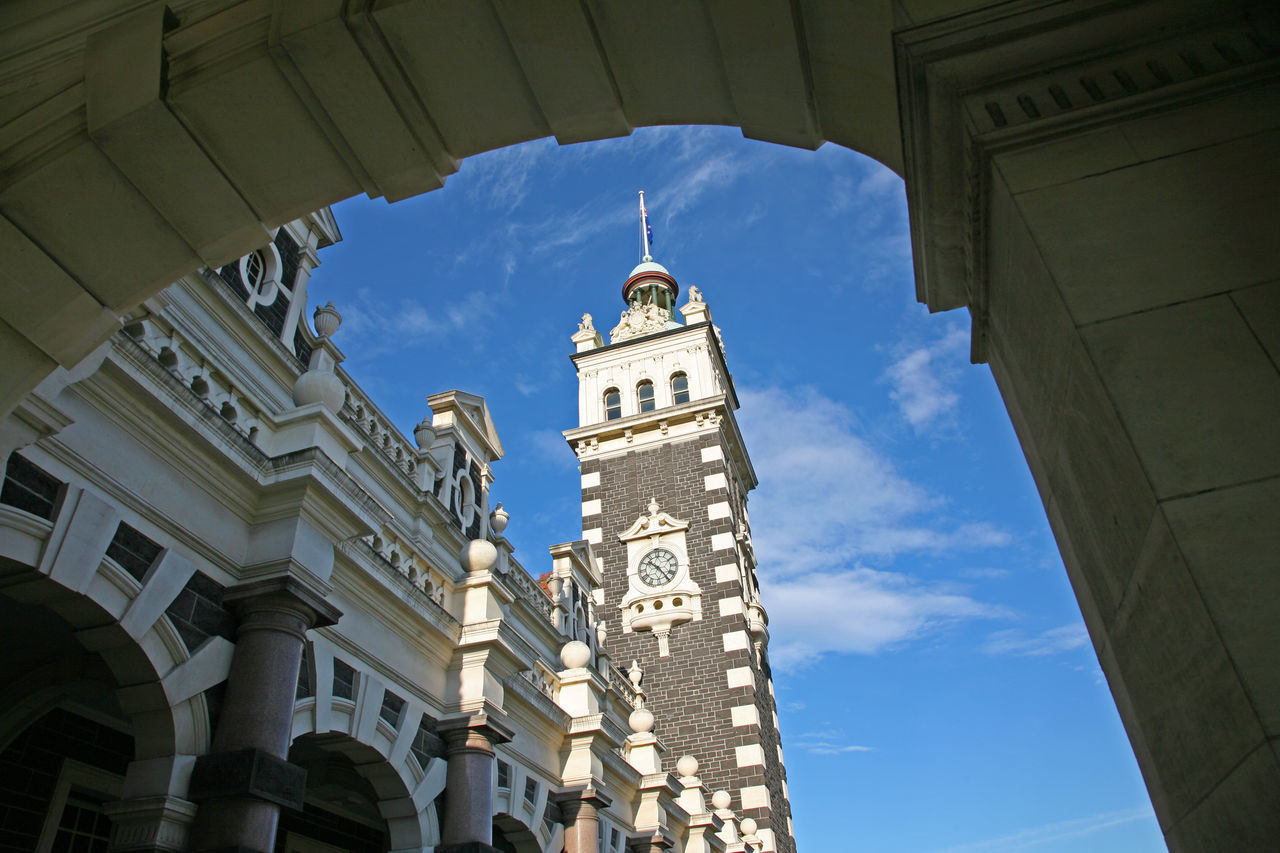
{"points": [[679, 388], [644, 393], [612, 404]]}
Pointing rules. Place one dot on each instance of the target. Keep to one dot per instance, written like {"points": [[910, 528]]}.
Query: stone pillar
{"points": [[581, 812], [242, 784], [1106, 233], [468, 813]]}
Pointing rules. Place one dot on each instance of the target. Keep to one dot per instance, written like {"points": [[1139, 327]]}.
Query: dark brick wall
{"points": [[30, 765], [688, 691]]}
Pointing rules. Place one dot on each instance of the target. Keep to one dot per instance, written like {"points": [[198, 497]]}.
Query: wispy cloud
{"points": [[1028, 839], [985, 574], [828, 503], [860, 611], [549, 445], [826, 742], [922, 378], [827, 497], [1051, 642]]}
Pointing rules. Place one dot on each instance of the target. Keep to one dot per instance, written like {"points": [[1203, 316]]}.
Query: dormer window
{"points": [[644, 394], [679, 388], [254, 271], [466, 500], [612, 404]]}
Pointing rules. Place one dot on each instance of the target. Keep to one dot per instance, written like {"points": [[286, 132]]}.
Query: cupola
{"points": [[651, 284]]}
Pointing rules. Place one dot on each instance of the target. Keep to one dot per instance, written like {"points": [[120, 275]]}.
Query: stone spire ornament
{"points": [[320, 384]]}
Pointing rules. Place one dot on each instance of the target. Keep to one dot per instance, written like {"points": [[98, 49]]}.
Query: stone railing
{"points": [[527, 588], [431, 592], [620, 681], [198, 371], [369, 421]]}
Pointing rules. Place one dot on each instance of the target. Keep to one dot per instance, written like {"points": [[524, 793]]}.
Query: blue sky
{"points": [[936, 688]]}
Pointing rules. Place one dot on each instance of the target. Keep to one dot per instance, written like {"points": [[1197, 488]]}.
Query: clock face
{"points": [[657, 567]]}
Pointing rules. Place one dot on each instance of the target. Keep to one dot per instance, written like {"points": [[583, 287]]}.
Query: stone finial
{"points": [[696, 309], [653, 506], [641, 720], [635, 674], [498, 519], [575, 654], [327, 320], [478, 555], [602, 633], [720, 801], [692, 798], [319, 384], [424, 433]]}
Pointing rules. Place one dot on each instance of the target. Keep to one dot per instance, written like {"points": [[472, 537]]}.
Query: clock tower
{"points": [[665, 478]]}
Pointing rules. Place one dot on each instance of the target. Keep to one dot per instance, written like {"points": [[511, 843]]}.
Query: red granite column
{"points": [[468, 811], [580, 812], [244, 781]]}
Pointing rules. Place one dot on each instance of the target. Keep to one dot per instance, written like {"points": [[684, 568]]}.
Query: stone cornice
{"points": [[1020, 73]]}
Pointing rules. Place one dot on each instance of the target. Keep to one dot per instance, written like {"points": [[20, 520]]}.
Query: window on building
{"points": [[612, 404], [644, 393], [530, 791], [679, 388], [504, 775]]}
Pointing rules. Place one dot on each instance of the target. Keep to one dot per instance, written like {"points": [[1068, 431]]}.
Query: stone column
{"points": [[581, 812], [468, 813], [242, 784]]}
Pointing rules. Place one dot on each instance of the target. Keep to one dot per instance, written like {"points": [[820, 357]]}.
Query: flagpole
{"points": [[644, 229]]}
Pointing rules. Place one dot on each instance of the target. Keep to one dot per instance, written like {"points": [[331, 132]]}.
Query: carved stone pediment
{"points": [[639, 320], [655, 523]]}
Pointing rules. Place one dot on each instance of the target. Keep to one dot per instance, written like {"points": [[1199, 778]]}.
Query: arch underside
{"points": [[1100, 201], [269, 111]]}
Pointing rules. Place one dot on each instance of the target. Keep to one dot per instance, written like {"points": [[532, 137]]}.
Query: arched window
{"points": [[644, 393], [612, 404], [679, 388]]}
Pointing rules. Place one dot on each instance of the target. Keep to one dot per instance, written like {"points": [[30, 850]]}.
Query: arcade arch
{"points": [[1089, 179]]}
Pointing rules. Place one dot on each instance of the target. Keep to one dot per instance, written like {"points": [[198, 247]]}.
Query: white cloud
{"points": [[985, 574], [1060, 831], [828, 498], [373, 326], [826, 742], [1051, 642], [828, 501], [859, 611], [921, 375]]}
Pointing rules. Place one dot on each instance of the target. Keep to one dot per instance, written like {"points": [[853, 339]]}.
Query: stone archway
{"points": [[353, 789], [78, 688], [511, 835], [1093, 181]]}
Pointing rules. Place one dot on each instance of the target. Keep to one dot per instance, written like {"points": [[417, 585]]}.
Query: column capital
{"points": [[657, 841], [473, 732], [284, 591], [576, 800]]}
